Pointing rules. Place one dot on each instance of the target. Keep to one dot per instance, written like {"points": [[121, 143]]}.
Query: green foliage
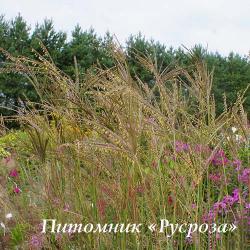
{"points": [[84, 46], [138, 45], [3, 153], [244, 154], [87, 49], [13, 139], [18, 234], [15, 40], [52, 40]]}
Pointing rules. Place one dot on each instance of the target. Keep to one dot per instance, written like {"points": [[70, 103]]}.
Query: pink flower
{"points": [[13, 173], [17, 190]]}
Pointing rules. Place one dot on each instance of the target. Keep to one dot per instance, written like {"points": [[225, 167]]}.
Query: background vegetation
{"points": [[232, 72]]}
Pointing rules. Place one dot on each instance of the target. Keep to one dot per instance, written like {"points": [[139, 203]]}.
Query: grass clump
{"points": [[111, 149]]}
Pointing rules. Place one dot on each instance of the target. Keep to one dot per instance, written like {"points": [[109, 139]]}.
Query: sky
{"points": [[219, 25]]}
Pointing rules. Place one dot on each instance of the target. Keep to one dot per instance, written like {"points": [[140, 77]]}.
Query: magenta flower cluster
{"points": [[13, 173], [244, 176], [219, 158], [222, 207]]}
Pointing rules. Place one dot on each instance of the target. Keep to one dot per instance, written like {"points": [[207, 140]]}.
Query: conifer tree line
{"points": [[231, 72]]}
